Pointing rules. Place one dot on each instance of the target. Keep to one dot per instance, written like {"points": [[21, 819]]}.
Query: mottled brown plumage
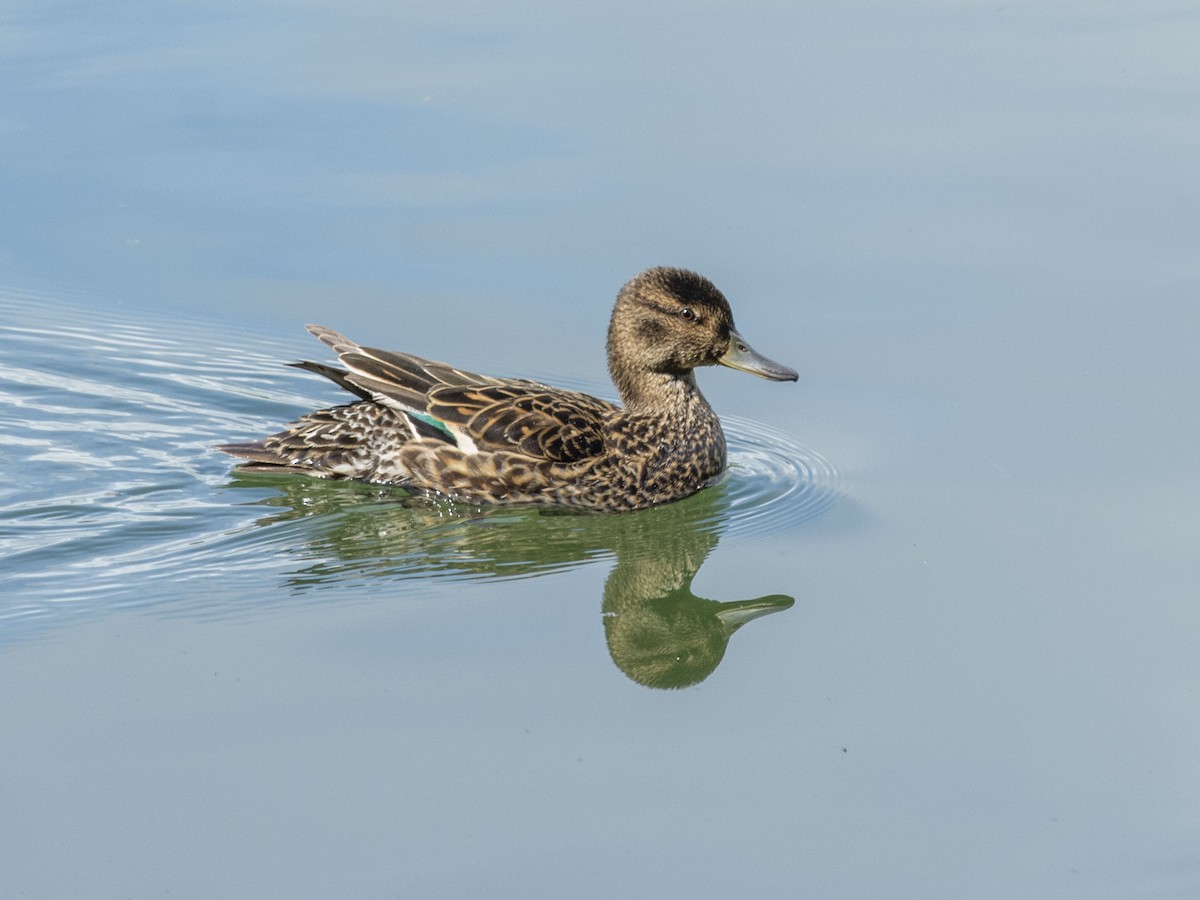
{"points": [[429, 426]]}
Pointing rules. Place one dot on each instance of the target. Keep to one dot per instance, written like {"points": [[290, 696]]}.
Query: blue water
{"points": [[933, 635]]}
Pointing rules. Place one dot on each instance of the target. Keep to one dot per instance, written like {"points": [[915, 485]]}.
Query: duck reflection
{"points": [[659, 633]]}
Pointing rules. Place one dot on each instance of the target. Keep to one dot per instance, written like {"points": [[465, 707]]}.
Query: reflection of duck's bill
{"points": [[741, 355], [738, 612]]}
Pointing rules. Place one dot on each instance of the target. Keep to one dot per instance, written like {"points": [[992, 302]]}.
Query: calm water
{"points": [[933, 636]]}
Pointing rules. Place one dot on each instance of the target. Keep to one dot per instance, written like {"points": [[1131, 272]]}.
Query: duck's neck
{"points": [[657, 393]]}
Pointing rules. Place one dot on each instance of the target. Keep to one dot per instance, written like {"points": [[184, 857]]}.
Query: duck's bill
{"points": [[735, 614], [741, 355]]}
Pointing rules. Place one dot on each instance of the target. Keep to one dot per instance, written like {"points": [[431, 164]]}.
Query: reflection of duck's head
{"points": [[676, 639], [659, 633]]}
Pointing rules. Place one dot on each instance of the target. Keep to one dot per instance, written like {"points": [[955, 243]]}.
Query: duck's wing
{"points": [[524, 417], [399, 380], [477, 412]]}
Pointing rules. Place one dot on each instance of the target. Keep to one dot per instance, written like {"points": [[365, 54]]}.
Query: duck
{"points": [[443, 432]]}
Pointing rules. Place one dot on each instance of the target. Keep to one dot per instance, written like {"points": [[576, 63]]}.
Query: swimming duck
{"points": [[477, 439]]}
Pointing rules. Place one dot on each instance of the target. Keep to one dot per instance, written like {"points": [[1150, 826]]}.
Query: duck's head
{"points": [[670, 321]]}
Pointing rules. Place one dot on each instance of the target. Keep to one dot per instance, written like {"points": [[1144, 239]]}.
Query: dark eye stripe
{"points": [[668, 311]]}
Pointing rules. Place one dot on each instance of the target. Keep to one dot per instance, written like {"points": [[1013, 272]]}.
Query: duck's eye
{"points": [[688, 314]]}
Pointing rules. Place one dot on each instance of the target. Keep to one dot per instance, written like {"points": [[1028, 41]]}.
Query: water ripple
{"points": [[115, 494], [775, 483]]}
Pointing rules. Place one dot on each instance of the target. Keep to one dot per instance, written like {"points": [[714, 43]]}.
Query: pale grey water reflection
{"points": [[971, 226]]}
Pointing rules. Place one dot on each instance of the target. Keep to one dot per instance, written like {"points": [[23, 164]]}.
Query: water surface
{"points": [[932, 636]]}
